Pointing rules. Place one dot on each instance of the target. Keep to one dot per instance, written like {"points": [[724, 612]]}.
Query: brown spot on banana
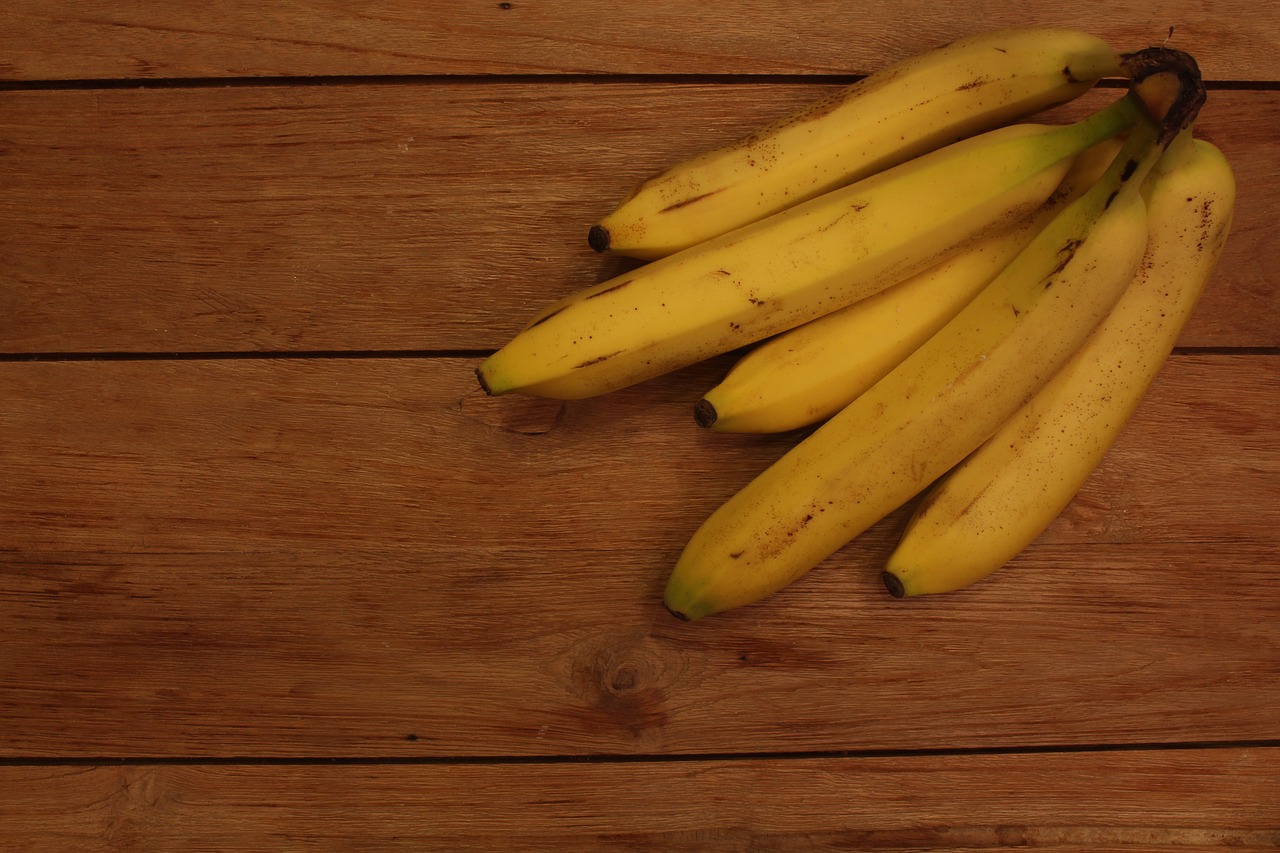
{"points": [[1068, 251], [855, 208], [597, 359], [613, 289], [688, 201]]}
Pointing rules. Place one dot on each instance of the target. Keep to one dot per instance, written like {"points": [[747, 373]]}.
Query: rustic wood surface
{"points": [[409, 217], [143, 39], [276, 575], [1152, 800]]}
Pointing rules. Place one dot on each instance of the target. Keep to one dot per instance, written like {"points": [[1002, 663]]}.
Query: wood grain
{"points": [[82, 39], [413, 217], [1141, 800], [329, 557]]}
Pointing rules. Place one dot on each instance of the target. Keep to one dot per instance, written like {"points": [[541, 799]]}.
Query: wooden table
{"points": [[276, 575]]}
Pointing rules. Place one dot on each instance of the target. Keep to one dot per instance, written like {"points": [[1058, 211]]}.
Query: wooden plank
{"points": [[320, 557], [80, 39], [406, 217], [1197, 800]]}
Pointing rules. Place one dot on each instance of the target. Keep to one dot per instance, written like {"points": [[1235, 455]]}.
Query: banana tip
{"points": [[676, 613], [892, 583], [705, 414], [484, 386], [598, 238]]}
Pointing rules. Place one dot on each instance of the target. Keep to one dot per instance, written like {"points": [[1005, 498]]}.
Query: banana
{"points": [[794, 266], [807, 374], [938, 97], [934, 408], [1007, 492]]}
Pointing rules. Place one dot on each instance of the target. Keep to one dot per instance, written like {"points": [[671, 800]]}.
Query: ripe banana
{"points": [[806, 375], [794, 266], [1007, 492], [967, 87], [932, 410]]}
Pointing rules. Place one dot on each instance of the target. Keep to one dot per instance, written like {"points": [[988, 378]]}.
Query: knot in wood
{"points": [[623, 682]]}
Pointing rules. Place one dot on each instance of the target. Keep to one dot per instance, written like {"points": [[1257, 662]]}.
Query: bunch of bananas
{"points": [[967, 304]]}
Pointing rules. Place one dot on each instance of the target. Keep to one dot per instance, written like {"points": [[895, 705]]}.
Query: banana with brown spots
{"points": [[1005, 494], [794, 266], [915, 106], [934, 408]]}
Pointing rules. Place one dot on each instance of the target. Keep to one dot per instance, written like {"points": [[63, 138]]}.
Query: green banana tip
{"points": [[598, 238]]}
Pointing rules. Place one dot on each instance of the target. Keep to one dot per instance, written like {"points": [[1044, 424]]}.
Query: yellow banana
{"points": [[794, 266], [967, 87], [933, 409], [807, 374], [1007, 492]]}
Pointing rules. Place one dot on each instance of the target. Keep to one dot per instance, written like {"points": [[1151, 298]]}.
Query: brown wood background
{"points": [[275, 575]]}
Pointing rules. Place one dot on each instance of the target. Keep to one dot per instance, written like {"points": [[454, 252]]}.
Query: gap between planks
{"points": [[89, 84], [624, 758], [268, 355]]}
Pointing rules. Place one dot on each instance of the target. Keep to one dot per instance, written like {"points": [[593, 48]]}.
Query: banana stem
{"points": [[1169, 85], [1108, 122], [1166, 92], [1142, 149]]}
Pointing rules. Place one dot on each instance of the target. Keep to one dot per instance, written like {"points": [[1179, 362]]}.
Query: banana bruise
{"points": [[807, 374], [933, 409], [1004, 495], [918, 105], [792, 267]]}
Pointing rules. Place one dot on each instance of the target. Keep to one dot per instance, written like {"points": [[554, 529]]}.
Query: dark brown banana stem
{"points": [[1169, 85]]}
